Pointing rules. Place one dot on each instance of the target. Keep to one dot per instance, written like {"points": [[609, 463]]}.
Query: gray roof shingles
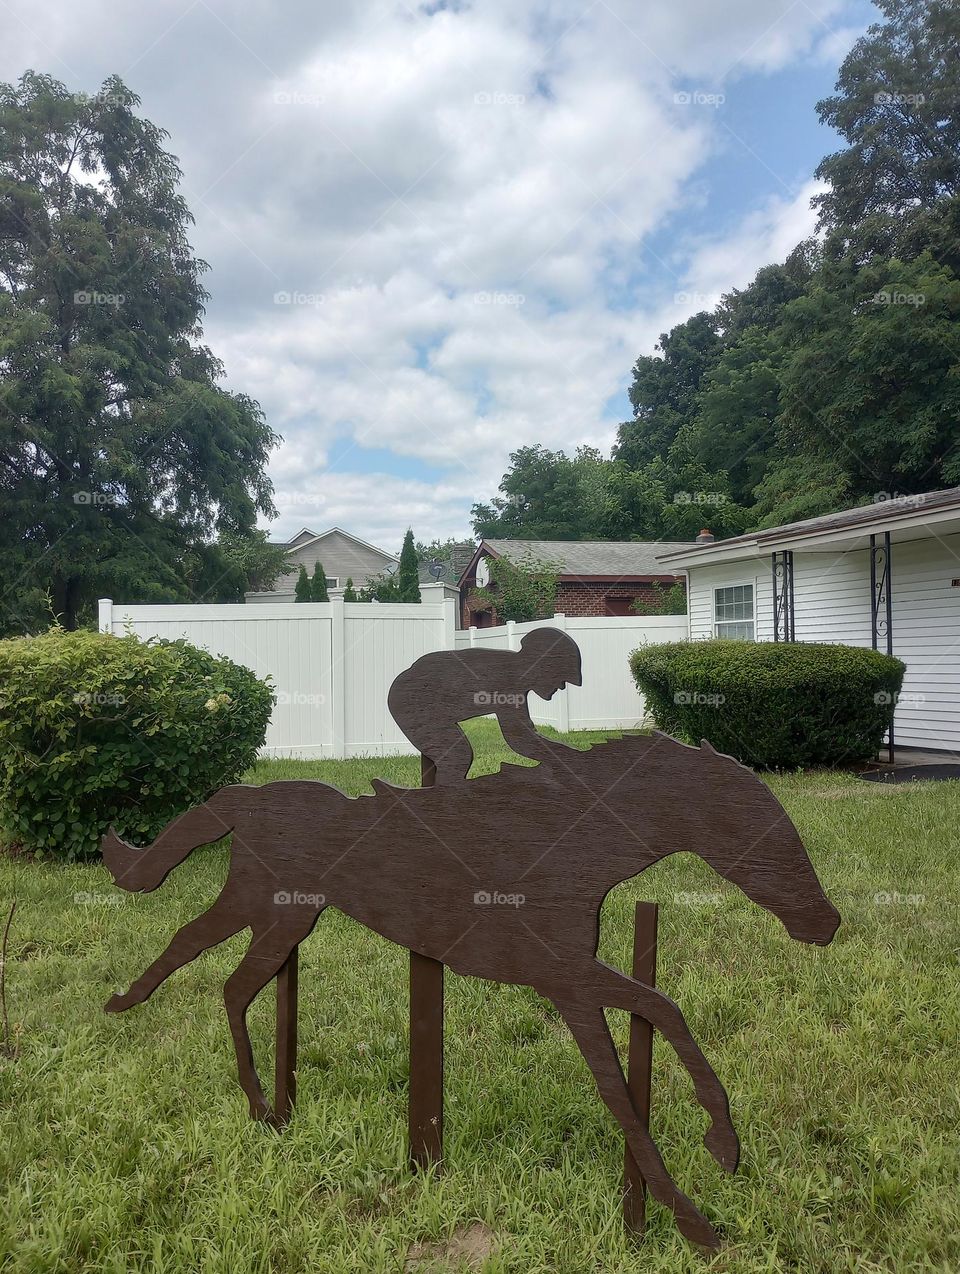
{"points": [[861, 515], [592, 557]]}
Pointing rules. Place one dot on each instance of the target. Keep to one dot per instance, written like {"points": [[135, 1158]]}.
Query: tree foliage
{"points": [[896, 106], [401, 585], [408, 573], [520, 590], [662, 601], [122, 457], [318, 584]]}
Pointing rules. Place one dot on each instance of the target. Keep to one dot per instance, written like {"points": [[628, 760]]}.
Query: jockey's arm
{"points": [[521, 734]]}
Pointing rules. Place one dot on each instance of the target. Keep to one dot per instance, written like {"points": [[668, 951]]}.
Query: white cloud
{"points": [[766, 235], [458, 204]]}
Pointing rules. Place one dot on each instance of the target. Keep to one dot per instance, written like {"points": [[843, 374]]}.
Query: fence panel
{"points": [[609, 696], [332, 663], [378, 643]]}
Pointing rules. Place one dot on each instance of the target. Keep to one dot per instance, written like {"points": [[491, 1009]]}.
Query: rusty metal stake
{"points": [[425, 1102], [640, 1062], [285, 1090]]}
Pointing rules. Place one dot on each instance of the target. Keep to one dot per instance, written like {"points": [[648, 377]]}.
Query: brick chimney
{"points": [[706, 536], [460, 558]]}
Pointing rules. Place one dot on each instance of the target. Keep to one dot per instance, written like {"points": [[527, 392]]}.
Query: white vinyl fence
{"points": [[332, 663], [608, 697]]}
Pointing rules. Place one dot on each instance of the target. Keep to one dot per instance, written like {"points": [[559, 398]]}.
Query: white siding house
{"points": [[343, 556], [885, 575]]}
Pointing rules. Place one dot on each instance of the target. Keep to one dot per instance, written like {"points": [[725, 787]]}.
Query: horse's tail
{"points": [[142, 870]]}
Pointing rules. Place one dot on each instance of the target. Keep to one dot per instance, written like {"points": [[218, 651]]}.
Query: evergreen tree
{"points": [[303, 591], [408, 576], [318, 585], [350, 593]]}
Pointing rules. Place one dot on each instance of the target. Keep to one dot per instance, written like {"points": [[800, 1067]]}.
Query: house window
{"points": [[618, 606], [733, 612]]}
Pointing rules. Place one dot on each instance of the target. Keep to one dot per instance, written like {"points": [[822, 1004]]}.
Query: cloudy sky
{"points": [[438, 232]]}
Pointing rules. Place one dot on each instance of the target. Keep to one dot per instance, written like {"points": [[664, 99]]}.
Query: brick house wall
{"points": [[581, 598], [595, 578], [595, 599]]}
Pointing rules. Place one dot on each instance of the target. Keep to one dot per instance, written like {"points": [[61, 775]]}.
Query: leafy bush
{"points": [[99, 731], [662, 601], [521, 590], [773, 704]]}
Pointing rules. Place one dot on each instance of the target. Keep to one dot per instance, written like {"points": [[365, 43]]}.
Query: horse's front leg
{"points": [[220, 922], [273, 940], [616, 990], [589, 1027]]}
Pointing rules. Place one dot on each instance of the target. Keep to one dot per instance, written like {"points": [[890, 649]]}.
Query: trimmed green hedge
{"points": [[778, 705], [99, 731]]}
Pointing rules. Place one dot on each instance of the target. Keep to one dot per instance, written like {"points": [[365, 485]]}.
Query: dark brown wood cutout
{"points": [[519, 901]]}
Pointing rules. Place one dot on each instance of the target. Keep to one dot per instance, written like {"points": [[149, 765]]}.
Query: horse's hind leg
{"points": [[219, 922], [616, 990], [590, 1030], [273, 940]]}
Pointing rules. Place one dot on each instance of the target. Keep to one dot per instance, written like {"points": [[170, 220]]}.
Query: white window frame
{"points": [[741, 583]]}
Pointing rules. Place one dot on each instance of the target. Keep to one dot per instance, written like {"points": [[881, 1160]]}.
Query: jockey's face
{"points": [[546, 689], [550, 668]]}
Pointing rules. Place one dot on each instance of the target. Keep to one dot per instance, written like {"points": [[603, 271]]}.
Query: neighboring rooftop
{"points": [[306, 536], [894, 510], [579, 559]]}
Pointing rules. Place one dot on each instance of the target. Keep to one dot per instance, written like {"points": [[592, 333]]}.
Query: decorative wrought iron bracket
{"points": [[783, 614]]}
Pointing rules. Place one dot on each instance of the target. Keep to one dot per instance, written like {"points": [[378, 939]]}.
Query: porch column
{"points": [[783, 615], [881, 606]]}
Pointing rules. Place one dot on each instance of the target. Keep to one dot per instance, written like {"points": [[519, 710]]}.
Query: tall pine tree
{"points": [[318, 585], [303, 592], [408, 576]]}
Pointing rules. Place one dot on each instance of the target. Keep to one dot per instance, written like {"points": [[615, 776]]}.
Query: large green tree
{"points": [[223, 571], [122, 456], [897, 106], [872, 383], [733, 429], [665, 388]]}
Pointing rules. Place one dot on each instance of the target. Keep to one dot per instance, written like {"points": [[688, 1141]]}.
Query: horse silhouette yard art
{"points": [[521, 905]]}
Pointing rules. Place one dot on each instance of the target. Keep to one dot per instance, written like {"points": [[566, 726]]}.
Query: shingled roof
{"points": [[863, 517], [581, 559]]}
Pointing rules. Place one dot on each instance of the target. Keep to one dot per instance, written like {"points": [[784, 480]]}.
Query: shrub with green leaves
{"points": [[99, 731], [779, 705]]}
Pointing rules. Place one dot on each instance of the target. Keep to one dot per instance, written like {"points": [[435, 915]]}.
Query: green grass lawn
{"points": [[125, 1143]]}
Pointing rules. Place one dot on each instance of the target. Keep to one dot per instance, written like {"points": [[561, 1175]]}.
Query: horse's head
{"points": [[746, 835]]}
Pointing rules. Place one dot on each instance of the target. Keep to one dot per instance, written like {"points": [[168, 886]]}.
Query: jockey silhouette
{"points": [[428, 702]]}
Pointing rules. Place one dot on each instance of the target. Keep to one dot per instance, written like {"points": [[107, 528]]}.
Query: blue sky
{"points": [[440, 232]]}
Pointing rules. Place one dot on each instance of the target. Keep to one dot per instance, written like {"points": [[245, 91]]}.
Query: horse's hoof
{"points": [[698, 1229], [117, 1003], [263, 1114], [724, 1144]]}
